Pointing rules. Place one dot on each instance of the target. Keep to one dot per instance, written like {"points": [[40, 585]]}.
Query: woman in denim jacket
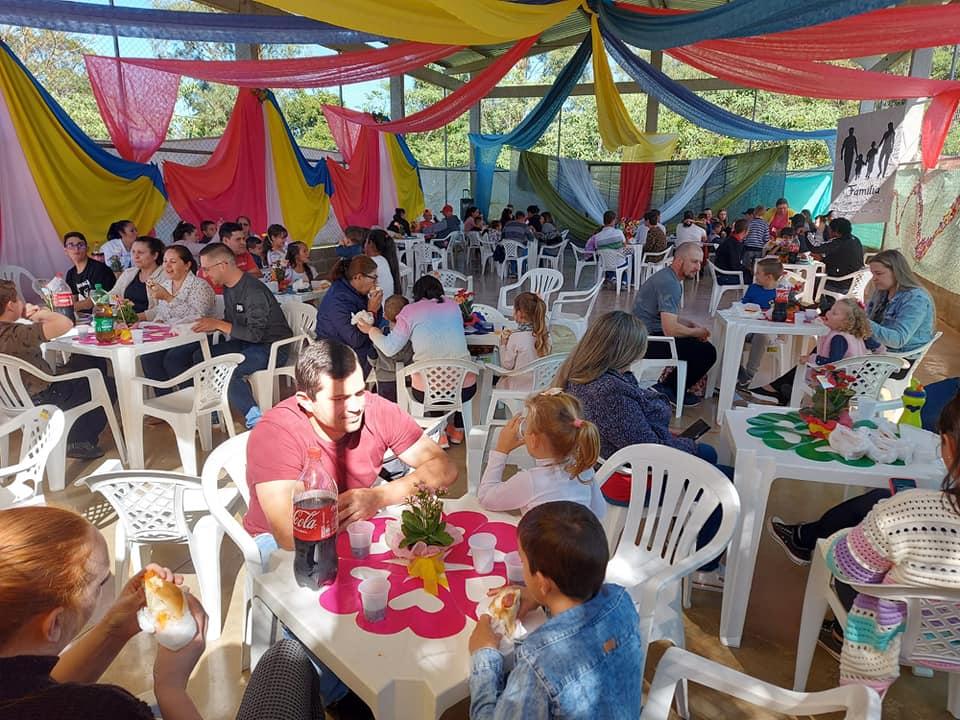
{"points": [[901, 312]]}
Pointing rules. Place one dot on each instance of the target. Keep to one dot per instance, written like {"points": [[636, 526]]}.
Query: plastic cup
{"points": [[481, 547], [811, 314], [83, 330], [373, 597], [514, 568], [361, 535], [136, 335], [274, 286]]}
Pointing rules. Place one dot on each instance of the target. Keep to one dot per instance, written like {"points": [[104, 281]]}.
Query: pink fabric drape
{"points": [[233, 181], [636, 188], [136, 96], [356, 200], [448, 109]]}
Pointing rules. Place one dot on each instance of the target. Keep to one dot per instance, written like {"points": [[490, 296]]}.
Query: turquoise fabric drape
{"points": [[809, 191]]}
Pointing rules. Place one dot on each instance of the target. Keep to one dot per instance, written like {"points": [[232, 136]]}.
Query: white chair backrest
{"points": [[492, 315], [511, 249], [544, 370], [920, 353], [301, 318], [473, 239], [425, 253], [453, 281], [230, 458], [543, 282], [610, 259], [21, 277], [456, 236], [443, 382], [870, 372], [687, 489], [647, 371], [211, 380], [563, 234], [578, 298], [859, 284], [14, 397], [579, 253], [41, 428], [676, 665]]}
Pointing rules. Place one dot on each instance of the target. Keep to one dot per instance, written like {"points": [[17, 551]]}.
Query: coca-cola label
{"points": [[783, 295], [63, 299], [314, 524]]}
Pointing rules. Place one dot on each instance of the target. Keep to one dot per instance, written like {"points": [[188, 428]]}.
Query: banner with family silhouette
{"points": [[869, 148]]}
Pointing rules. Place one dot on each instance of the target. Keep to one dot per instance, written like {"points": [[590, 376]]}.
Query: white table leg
{"points": [[732, 350], [129, 397], [752, 478], [815, 604], [263, 630], [717, 337]]}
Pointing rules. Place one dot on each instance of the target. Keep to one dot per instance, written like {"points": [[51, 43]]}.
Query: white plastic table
{"points": [[300, 296], [400, 675], [756, 467], [730, 332], [124, 361]]}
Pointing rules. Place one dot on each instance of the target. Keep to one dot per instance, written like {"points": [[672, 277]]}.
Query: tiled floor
{"points": [[769, 642]]}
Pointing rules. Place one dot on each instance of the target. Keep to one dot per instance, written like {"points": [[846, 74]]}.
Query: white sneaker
{"points": [[710, 581]]}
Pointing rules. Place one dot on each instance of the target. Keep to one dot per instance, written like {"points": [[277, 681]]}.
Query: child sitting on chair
{"points": [[530, 341], [386, 366], [762, 292], [586, 660]]}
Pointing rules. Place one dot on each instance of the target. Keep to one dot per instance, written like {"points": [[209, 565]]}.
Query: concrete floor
{"points": [[770, 635]]}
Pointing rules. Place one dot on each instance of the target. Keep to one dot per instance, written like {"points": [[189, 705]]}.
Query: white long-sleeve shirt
{"points": [[546, 482]]}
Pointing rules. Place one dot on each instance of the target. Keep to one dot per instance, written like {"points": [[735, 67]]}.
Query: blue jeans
{"points": [[710, 527], [332, 688]]}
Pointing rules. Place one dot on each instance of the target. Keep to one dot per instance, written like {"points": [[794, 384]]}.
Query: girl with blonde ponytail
{"points": [[531, 340], [566, 448]]}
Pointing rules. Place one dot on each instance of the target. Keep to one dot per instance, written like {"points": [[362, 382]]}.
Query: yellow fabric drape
{"points": [[616, 127], [452, 22], [409, 192], [305, 208], [77, 192], [655, 148]]}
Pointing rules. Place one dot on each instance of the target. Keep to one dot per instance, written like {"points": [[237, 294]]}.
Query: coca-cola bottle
{"points": [[781, 300], [62, 296], [315, 524]]}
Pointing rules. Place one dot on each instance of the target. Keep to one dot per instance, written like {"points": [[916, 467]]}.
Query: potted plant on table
{"points": [[830, 402]]}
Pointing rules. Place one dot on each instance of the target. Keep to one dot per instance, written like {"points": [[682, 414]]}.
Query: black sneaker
{"points": [[764, 395], [691, 400], [84, 451], [786, 537], [831, 639]]}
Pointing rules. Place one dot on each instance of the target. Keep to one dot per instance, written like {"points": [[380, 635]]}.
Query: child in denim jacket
{"points": [[586, 660]]}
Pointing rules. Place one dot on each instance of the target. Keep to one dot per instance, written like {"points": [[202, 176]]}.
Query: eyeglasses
{"points": [[372, 277], [75, 246], [208, 268]]}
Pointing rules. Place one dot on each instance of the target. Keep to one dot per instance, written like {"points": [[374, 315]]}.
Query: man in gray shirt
{"points": [[251, 317], [658, 305]]}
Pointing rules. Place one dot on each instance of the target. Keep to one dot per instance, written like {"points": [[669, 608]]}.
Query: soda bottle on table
{"points": [[103, 326], [62, 296], [781, 300], [315, 524]]}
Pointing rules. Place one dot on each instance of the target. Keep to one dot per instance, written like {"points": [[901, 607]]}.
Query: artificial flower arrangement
{"points": [[830, 402], [423, 536], [471, 318], [629, 227]]}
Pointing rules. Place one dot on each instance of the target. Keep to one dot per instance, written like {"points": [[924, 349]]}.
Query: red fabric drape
{"points": [[448, 109], [357, 197], [636, 188], [136, 96], [233, 181]]}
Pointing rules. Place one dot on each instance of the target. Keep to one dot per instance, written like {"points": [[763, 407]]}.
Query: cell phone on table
{"points": [[696, 431], [898, 484]]}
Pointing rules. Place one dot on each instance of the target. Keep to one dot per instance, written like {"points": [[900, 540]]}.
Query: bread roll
{"points": [[167, 613]]}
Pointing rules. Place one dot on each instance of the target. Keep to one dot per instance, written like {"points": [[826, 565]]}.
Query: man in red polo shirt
{"points": [[232, 235], [333, 411]]}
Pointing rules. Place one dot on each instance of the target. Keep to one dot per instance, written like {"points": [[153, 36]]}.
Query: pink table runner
{"points": [[152, 333], [343, 596]]}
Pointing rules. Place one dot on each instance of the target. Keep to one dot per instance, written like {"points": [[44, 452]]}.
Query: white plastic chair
{"points": [[453, 281], [858, 702], [615, 261], [487, 246], [153, 506], [717, 291], [929, 640], [22, 278], [14, 399], [301, 318], [542, 281], [657, 540], [406, 278], [581, 299], [41, 429], [582, 262], [648, 370], [552, 255], [474, 247], [915, 357], [443, 382], [858, 284], [541, 373], [493, 316], [455, 241], [191, 409], [426, 257], [511, 253], [651, 263], [264, 382], [228, 461], [870, 372]]}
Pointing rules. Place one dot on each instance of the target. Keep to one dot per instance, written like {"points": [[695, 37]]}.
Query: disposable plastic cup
{"points": [[481, 548], [514, 568], [83, 330], [811, 314], [136, 336], [361, 535], [274, 286], [373, 597]]}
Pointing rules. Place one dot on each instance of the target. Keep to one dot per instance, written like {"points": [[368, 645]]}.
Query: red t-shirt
{"points": [[277, 449], [245, 262]]}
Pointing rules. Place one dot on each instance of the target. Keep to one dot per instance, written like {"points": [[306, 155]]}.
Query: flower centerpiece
{"points": [[423, 536], [471, 318], [629, 227], [831, 400]]}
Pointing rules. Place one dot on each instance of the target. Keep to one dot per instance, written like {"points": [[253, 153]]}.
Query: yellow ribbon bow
{"points": [[431, 570]]}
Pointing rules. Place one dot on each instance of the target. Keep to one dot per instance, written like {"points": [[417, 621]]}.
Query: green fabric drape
{"points": [[749, 170], [534, 165]]}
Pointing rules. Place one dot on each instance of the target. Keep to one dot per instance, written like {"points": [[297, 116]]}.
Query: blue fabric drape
{"points": [[740, 18], [314, 173], [809, 191], [576, 186], [530, 129], [689, 105], [81, 17], [111, 163]]}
